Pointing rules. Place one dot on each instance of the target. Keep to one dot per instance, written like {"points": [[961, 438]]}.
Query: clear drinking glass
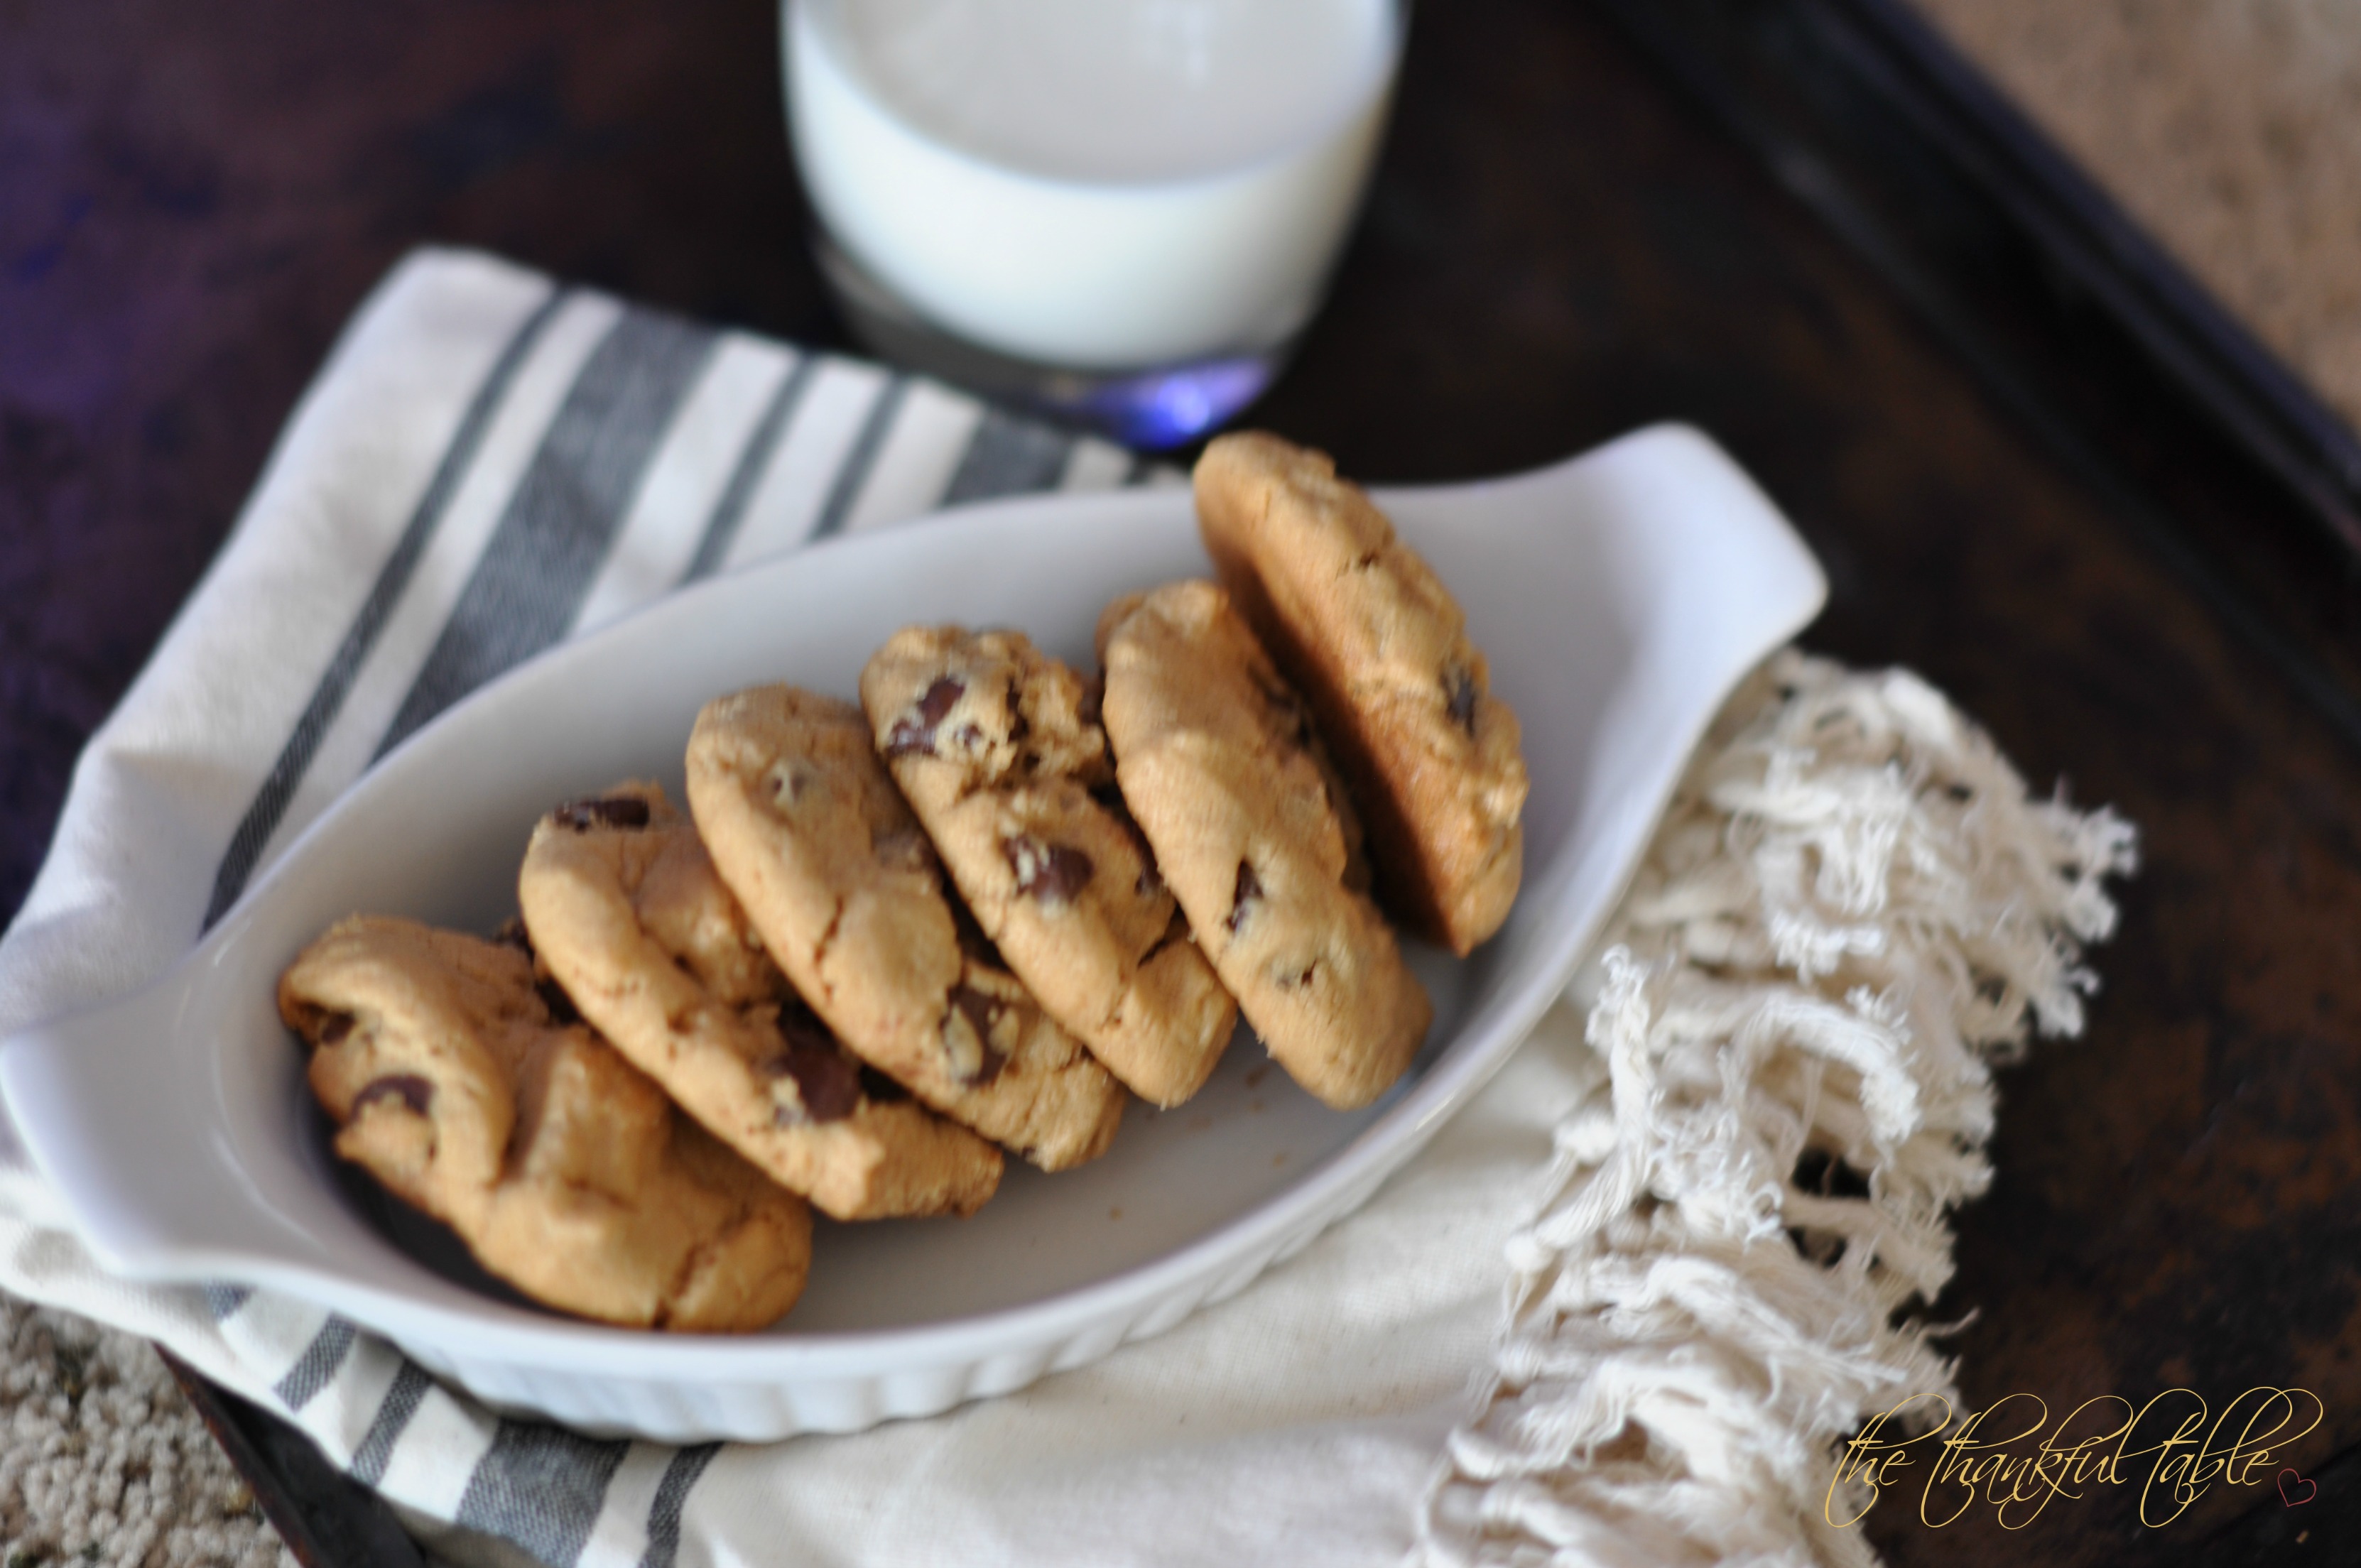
{"points": [[1122, 212]]}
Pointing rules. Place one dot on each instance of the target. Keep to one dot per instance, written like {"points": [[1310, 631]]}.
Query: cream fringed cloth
{"points": [[1852, 910]]}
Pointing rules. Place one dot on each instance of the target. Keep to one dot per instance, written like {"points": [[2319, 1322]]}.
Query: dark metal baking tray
{"points": [[2041, 466]]}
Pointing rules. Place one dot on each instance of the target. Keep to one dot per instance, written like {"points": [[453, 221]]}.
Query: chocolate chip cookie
{"points": [[998, 748], [566, 1172], [810, 834], [622, 903], [1364, 630], [1210, 748]]}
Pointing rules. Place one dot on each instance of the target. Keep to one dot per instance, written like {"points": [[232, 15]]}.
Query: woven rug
{"points": [[103, 1462]]}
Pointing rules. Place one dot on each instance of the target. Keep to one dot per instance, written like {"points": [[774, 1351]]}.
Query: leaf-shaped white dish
{"points": [[1619, 597]]}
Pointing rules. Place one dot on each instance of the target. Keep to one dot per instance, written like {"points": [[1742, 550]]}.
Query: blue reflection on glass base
{"points": [[1157, 409], [1153, 408]]}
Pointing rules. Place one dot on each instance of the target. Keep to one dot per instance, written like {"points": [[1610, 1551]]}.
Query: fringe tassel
{"points": [[1852, 912]]}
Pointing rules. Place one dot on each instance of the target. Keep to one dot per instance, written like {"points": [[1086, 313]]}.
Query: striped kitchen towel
{"points": [[489, 464]]}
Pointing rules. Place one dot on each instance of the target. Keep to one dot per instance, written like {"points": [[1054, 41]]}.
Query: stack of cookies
{"points": [[973, 913]]}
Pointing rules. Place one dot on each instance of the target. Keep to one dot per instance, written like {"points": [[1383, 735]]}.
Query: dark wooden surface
{"points": [[1564, 243]]}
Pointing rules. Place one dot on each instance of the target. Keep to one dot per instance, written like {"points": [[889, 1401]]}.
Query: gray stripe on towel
{"points": [[541, 1488], [224, 1302], [316, 1366], [555, 531], [270, 802], [410, 1389], [730, 511], [1008, 456], [853, 475], [672, 1497]]}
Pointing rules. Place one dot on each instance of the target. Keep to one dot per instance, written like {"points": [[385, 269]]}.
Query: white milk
{"points": [[1101, 184]]}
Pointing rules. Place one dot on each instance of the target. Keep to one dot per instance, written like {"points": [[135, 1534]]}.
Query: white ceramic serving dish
{"points": [[1619, 596]]}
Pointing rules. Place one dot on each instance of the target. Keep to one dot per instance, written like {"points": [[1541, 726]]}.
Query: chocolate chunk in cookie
{"points": [[809, 832], [622, 904], [1209, 751], [1362, 627], [566, 1172], [997, 748]]}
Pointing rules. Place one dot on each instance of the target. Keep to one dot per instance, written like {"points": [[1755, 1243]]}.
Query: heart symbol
{"points": [[2311, 1488]]}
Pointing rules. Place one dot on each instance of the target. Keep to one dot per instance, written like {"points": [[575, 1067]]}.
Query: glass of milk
{"points": [[1121, 211]]}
